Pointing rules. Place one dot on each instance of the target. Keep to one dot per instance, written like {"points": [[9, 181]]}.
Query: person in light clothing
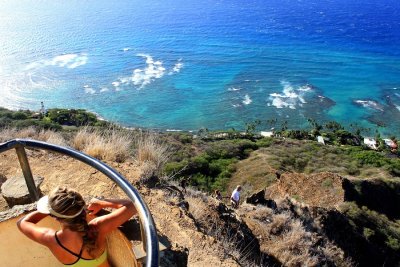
{"points": [[235, 197]]}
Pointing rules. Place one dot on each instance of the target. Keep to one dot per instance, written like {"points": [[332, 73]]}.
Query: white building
{"points": [[390, 143], [321, 140], [370, 142], [267, 134]]}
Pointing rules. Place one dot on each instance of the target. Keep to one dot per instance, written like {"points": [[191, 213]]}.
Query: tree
{"points": [[272, 122], [316, 128], [251, 127], [334, 126]]}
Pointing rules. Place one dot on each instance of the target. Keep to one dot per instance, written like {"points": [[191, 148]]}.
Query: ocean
{"points": [[186, 65]]}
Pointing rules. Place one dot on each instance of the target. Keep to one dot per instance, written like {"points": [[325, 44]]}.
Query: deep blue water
{"points": [[187, 64]]}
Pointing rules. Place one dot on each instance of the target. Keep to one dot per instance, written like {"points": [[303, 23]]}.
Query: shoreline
{"points": [[256, 127]]}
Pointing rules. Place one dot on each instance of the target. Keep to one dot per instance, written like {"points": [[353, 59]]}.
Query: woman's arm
{"points": [[27, 225], [124, 210]]}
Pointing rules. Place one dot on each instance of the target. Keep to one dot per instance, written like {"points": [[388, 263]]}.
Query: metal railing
{"points": [[148, 229]]}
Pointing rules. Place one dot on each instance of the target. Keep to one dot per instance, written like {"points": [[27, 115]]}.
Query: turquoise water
{"points": [[190, 64]]}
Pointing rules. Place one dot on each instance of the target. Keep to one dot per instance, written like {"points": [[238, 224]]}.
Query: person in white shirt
{"points": [[235, 197]]}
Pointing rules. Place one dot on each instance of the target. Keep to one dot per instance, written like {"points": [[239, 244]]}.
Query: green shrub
{"points": [[174, 167], [20, 115], [300, 164], [5, 113], [201, 181], [296, 134], [393, 243], [76, 117], [238, 148], [200, 164], [368, 233], [5, 121], [328, 183], [265, 142], [374, 226], [394, 167], [352, 169], [371, 158]]}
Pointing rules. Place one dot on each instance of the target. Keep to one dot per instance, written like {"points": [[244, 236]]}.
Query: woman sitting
{"points": [[80, 242]]}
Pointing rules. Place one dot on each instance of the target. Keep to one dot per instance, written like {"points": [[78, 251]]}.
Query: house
{"points": [[390, 144], [370, 142], [321, 140], [267, 134]]}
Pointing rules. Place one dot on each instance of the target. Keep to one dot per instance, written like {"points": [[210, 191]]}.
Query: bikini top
{"points": [[82, 262]]}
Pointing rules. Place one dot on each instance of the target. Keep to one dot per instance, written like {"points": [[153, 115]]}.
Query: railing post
{"points": [[26, 170]]}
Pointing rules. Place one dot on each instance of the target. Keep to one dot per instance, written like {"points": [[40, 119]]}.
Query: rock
{"points": [[15, 191], [258, 198], [16, 211]]}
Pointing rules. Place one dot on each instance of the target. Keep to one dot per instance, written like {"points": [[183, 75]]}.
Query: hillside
{"points": [[198, 233], [199, 229], [318, 207]]}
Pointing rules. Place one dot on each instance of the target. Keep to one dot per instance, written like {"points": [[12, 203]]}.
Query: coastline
{"points": [[254, 127]]}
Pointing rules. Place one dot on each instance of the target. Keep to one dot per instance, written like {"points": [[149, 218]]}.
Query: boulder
{"points": [[258, 198], [15, 191]]}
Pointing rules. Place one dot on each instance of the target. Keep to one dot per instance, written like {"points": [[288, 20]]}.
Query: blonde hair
{"points": [[69, 202]]}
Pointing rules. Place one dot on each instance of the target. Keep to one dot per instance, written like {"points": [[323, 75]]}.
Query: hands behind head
{"points": [[95, 205]]}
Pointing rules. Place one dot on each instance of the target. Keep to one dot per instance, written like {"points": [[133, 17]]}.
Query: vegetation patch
{"points": [[376, 228], [212, 167]]}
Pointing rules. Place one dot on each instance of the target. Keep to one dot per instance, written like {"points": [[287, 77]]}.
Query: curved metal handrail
{"points": [[146, 220]]}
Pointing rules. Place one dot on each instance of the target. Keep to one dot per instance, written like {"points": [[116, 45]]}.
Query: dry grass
{"points": [[51, 137], [203, 210], [292, 241], [150, 148], [32, 133], [151, 154], [197, 206], [292, 246], [111, 144]]}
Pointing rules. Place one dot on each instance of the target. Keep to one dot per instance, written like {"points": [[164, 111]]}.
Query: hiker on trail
{"points": [[217, 195], [81, 241], [235, 197]]}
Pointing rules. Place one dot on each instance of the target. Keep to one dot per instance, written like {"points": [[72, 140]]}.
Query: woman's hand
{"points": [[95, 205]]}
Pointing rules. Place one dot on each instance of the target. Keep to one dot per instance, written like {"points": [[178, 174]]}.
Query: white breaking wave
{"points": [[70, 61], [104, 89], [126, 49], [369, 104], [144, 76], [177, 67], [233, 89], [153, 70], [247, 100], [290, 97]]}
